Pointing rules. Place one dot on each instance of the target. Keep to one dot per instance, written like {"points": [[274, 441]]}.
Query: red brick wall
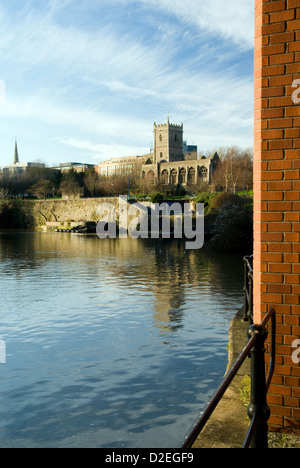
{"points": [[277, 195]]}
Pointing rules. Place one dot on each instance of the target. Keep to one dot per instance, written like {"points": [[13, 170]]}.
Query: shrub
{"points": [[223, 198], [157, 198], [207, 199], [181, 192], [234, 227]]}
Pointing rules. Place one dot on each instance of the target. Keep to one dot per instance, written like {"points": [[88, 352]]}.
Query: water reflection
{"points": [[112, 342], [160, 268]]}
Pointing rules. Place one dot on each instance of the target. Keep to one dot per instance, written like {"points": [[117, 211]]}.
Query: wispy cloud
{"points": [[101, 152], [100, 73], [232, 20]]}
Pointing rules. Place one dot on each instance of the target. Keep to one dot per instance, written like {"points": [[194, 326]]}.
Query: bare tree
{"points": [[42, 189], [235, 169], [4, 194], [91, 182]]}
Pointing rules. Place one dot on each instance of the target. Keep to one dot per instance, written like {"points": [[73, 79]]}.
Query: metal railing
{"points": [[248, 288], [258, 411]]}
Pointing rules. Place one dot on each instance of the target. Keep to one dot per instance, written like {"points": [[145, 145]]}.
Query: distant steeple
{"points": [[16, 156]]}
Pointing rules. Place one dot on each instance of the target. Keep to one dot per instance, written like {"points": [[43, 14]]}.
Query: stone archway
{"points": [[164, 177], [173, 177], [191, 177], [182, 176], [203, 172]]}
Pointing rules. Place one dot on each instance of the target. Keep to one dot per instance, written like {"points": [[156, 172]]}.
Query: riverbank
{"points": [[229, 423]]}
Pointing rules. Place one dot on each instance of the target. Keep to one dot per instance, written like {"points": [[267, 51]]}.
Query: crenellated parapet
{"points": [[167, 125]]}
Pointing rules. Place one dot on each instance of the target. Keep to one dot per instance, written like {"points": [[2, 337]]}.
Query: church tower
{"points": [[16, 155], [168, 143]]}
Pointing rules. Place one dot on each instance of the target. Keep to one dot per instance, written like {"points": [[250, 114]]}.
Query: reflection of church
{"points": [[173, 163]]}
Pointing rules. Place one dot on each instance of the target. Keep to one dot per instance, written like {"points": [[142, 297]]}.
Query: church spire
{"points": [[16, 156]]}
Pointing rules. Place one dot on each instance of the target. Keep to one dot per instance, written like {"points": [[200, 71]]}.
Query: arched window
{"points": [[182, 176], [173, 178], [191, 176], [203, 172], [164, 176], [150, 176]]}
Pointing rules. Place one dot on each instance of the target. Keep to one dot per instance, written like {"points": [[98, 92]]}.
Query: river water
{"points": [[110, 343]]}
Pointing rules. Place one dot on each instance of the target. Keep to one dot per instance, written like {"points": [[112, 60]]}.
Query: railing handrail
{"points": [[255, 332]]}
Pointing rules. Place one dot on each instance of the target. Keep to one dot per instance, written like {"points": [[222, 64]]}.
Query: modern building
{"points": [[77, 167]]}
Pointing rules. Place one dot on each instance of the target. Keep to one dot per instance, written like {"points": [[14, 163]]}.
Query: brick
{"points": [[289, 175], [272, 29], [292, 154], [274, 6], [274, 70], [292, 133], [277, 165], [274, 154], [281, 123], [271, 92], [292, 279], [292, 4], [273, 49], [280, 185], [279, 268], [282, 38], [293, 46], [293, 68], [272, 134], [280, 289], [273, 175], [280, 247], [272, 298], [281, 144], [285, 101], [292, 299], [293, 25], [280, 80], [280, 206], [283, 58], [283, 15]]}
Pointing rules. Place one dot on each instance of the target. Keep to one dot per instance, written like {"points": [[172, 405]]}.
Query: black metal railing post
{"points": [[248, 289], [258, 410]]}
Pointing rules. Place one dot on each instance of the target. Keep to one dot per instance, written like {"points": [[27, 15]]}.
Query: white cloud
{"points": [[232, 19], [107, 85], [100, 152]]}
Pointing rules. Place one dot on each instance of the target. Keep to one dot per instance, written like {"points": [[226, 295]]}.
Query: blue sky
{"points": [[85, 79]]}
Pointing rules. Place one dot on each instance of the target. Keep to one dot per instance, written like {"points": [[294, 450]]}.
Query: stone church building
{"points": [[171, 164]]}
